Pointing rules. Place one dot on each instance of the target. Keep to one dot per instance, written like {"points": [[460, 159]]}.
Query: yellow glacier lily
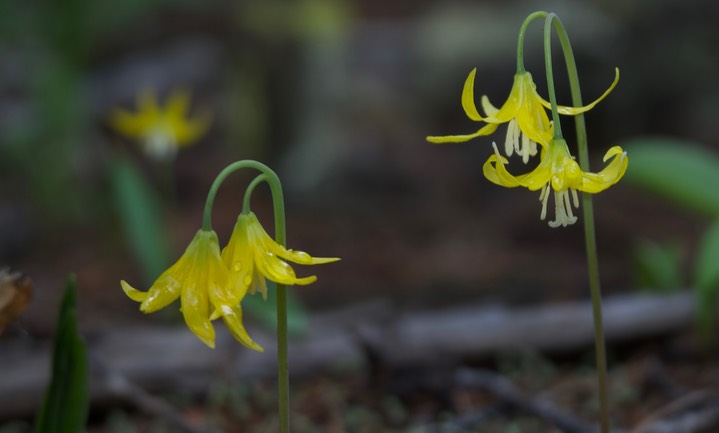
{"points": [[559, 171], [202, 282], [161, 130], [524, 111], [252, 257]]}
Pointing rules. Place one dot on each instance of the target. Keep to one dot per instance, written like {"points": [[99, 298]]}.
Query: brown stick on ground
{"points": [[505, 390], [696, 412], [173, 358]]}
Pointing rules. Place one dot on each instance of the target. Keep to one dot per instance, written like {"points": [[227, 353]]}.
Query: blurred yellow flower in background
{"points": [[524, 111], [558, 169], [252, 257], [206, 291], [161, 130]]}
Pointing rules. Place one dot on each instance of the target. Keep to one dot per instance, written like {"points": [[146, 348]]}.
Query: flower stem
{"points": [[550, 75], [589, 229], [520, 40], [250, 189], [278, 206]]}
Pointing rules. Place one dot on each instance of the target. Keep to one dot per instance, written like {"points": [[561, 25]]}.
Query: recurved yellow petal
{"points": [[485, 130], [611, 174], [573, 111], [164, 291], [489, 109], [252, 249], [496, 173], [299, 257], [233, 320], [132, 292], [468, 98], [273, 268]]}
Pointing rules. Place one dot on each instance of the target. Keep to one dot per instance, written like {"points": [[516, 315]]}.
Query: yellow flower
{"points": [[161, 130], [524, 111], [252, 257], [203, 284], [558, 169]]}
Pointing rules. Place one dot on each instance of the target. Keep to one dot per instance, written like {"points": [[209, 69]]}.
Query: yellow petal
{"points": [[518, 96], [188, 131], [611, 174], [485, 130], [196, 310], [495, 172], [164, 291], [272, 268], [299, 257], [571, 111], [489, 109], [468, 98], [233, 320], [131, 125], [238, 259], [177, 103], [147, 103], [534, 123], [259, 284], [306, 280], [132, 292], [136, 125]]}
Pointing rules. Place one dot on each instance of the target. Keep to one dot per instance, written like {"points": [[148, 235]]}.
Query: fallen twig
{"points": [[696, 412], [117, 385], [505, 390], [171, 358]]}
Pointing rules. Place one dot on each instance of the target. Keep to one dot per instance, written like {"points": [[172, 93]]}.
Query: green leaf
{"points": [[66, 402], [139, 213], [266, 311], [657, 266], [679, 170]]}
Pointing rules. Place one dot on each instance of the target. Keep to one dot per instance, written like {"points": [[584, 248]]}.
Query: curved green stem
{"points": [[520, 40], [278, 206], [550, 75], [589, 229], [250, 189]]}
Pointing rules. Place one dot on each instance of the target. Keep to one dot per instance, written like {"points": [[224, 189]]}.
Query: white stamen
{"points": [[525, 149], [562, 208], [568, 207], [575, 196], [544, 198], [511, 142]]}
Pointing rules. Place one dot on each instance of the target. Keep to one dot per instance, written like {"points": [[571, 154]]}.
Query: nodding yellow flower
{"points": [[161, 130], [524, 111], [252, 257], [206, 291], [559, 171]]}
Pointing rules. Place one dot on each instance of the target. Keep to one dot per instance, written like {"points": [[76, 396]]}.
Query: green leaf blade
{"points": [[66, 403], [682, 171], [139, 213]]}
